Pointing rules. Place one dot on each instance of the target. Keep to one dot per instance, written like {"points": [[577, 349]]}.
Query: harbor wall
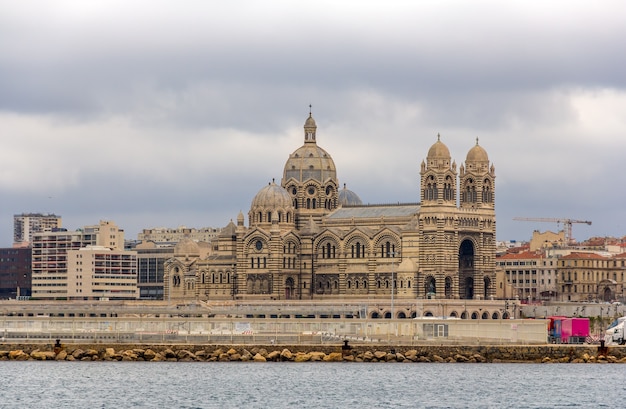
{"points": [[324, 353]]}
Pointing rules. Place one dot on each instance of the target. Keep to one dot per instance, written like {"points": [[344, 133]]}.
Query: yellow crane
{"points": [[567, 224]]}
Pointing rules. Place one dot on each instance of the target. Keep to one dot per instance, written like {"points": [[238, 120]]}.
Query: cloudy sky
{"points": [[166, 113]]}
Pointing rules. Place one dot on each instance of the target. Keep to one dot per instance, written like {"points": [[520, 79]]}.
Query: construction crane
{"points": [[567, 224]]}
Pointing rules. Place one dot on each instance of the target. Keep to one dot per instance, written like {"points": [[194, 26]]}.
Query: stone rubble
{"points": [[424, 354]]}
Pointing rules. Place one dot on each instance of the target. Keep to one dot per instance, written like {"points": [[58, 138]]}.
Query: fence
{"points": [[267, 331]]}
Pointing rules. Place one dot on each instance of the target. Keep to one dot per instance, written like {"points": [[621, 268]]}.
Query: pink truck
{"points": [[565, 330]]}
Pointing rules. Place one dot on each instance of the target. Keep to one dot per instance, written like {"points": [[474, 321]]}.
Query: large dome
{"points": [[439, 150], [477, 154], [348, 198], [272, 197], [310, 161]]}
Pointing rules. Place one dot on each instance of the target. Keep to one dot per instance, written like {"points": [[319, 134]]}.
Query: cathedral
{"points": [[311, 239]]}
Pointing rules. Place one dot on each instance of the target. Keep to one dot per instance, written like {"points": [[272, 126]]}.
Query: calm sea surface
{"points": [[309, 385]]}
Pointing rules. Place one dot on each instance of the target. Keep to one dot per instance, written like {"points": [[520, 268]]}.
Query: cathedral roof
{"points": [[374, 211], [348, 198], [228, 231], [477, 154], [272, 197], [187, 247], [439, 150], [310, 161]]}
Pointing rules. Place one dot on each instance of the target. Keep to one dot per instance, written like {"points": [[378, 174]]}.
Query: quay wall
{"points": [[548, 353]]}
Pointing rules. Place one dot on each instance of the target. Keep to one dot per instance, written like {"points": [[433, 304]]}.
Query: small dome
{"points": [[310, 122], [187, 247], [439, 150], [477, 154], [272, 197], [348, 198]]}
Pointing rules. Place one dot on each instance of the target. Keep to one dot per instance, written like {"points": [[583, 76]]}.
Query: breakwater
{"points": [[326, 353]]}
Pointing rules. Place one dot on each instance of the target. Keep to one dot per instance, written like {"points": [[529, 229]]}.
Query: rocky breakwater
{"points": [[441, 354]]}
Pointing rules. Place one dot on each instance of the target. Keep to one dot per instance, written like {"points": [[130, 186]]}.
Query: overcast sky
{"points": [[158, 113]]}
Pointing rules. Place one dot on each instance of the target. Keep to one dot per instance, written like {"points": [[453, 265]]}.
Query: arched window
{"points": [[358, 250], [470, 191], [430, 193], [448, 190], [388, 250]]}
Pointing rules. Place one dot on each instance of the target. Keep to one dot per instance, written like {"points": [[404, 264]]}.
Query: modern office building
{"points": [[150, 269], [50, 255], [307, 238], [26, 224], [15, 276]]}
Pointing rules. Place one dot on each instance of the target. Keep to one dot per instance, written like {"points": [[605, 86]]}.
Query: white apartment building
{"points": [[50, 255], [100, 273], [27, 224]]}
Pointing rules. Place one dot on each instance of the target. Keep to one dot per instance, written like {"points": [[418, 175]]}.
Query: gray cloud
{"points": [[153, 114]]}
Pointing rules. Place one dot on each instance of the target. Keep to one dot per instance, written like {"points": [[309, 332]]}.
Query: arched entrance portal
{"points": [[466, 269]]}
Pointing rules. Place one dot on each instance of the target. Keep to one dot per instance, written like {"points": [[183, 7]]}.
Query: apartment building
{"points": [[50, 255], [521, 272], [589, 276], [166, 235], [101, 273], [27, 224]]}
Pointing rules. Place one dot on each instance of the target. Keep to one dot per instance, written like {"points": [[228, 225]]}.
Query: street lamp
{"points": [[601, 326]]}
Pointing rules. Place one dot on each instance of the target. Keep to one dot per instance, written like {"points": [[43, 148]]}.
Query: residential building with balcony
{"points": [[101, 273], [50, 255], [27, 224]]}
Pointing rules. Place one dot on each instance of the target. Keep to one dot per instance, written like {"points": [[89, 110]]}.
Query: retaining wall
{"points": [[302, 353]]}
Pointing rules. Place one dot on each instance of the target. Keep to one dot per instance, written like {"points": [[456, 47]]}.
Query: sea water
{"points": [[309, 385]]}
